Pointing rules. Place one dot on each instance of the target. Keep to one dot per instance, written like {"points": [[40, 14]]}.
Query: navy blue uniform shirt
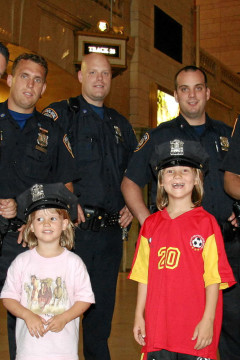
{"points": [[102, 148], [215, 140], [37, 153]]}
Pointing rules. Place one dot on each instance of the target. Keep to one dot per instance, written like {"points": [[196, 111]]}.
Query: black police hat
{"points": [[178, 152], [45, 196]]}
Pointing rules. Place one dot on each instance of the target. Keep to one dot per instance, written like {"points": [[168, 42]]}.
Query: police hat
{"points": [[180, 153], [45, 196]]}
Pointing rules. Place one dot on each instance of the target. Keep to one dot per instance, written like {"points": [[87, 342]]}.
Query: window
{"points": [[167, 35]]}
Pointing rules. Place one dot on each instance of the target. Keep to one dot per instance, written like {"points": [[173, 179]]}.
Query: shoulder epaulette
{"points": [[73, 104]]}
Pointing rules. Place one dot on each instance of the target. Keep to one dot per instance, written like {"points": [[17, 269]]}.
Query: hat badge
{"points": [[176, 147], [37, 192]]}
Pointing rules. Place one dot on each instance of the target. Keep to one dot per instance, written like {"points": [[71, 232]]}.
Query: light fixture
{"points": [[103, 25]]}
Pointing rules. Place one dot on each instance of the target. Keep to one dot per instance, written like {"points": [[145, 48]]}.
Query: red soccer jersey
{"points": [[178, 258]]}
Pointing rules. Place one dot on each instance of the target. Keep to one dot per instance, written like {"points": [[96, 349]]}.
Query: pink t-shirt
{"points": [[48, 286]]}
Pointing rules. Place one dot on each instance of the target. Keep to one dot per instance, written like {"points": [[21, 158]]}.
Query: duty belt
{"points": [[97, 219], [6, 226]]}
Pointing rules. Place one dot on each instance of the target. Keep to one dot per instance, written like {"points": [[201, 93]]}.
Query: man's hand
{"points": [[233, 220], [8, 208], [81, 217], [20, 236], [125, 217]]}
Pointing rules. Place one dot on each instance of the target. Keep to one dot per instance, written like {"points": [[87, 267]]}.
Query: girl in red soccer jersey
{"points": [[180, 263]]}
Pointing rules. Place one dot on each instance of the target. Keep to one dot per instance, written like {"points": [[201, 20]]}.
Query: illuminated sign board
{"points": [[102, 49], [111, 45]]}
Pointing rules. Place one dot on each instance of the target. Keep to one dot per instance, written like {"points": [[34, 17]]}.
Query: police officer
{"points": [[192, 94], [230, 336], [102, 142], [32, 149], [7, 206]]}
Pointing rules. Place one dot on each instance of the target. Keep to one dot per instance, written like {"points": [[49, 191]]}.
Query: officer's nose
{"points": [[30, 83], [99, 76], [191, 93]]}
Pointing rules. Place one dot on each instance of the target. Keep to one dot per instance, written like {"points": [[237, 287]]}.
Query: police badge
{"points": [[37, 192], [224, 143], [118, 134], [42, 140]]}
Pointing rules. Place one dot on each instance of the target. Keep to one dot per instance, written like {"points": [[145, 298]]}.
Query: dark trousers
{"points": [[169, 355], [229, 345], [101, 251], [10, 250]]}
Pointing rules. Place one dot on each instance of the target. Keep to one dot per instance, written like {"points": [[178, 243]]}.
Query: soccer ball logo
{"points": [[197, 242]]}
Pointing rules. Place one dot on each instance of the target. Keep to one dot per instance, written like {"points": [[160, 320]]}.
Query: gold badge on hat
{"points": [[224, 143], [176, 147], [37, 192], [42, 140]]}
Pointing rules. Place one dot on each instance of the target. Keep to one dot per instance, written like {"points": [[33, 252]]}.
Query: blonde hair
{"points": [[197, 193], [67, 236]]}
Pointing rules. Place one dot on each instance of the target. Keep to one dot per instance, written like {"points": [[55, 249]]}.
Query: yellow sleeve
{"points": [[210, 257], [140, 265]]}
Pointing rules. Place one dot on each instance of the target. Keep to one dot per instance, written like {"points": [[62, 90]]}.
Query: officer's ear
{"points": [[9, 80], [207, 93], [176, 96], [80, 76], [43, 88]]}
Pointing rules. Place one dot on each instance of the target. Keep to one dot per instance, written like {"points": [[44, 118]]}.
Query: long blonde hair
{"points": [[197, 193], [67, 236]]}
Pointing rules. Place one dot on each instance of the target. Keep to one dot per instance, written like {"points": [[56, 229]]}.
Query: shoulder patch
{"points": [[234, 127], [50, 113], [67, 144], [142, 142]]}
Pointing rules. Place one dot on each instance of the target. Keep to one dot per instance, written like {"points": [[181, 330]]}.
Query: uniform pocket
{"points": [[35, 164], [86, 149]]}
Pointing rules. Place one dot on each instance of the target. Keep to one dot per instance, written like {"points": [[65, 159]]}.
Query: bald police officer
{"points": [[102, 142]]}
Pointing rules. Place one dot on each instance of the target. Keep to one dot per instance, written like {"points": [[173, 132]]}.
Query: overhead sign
{"points": [[112, 45], [102, 49]]}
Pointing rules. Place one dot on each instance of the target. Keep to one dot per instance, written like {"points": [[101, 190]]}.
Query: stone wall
{"points": [[220, 30]]}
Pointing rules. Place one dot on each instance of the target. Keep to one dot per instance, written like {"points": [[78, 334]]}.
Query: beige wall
{"points": [[220, 30], [149, 66]]}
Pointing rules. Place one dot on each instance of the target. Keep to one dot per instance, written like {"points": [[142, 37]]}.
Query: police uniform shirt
{"points": [[102, 148], [232, 159], [215, 140], [37, 153]]}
